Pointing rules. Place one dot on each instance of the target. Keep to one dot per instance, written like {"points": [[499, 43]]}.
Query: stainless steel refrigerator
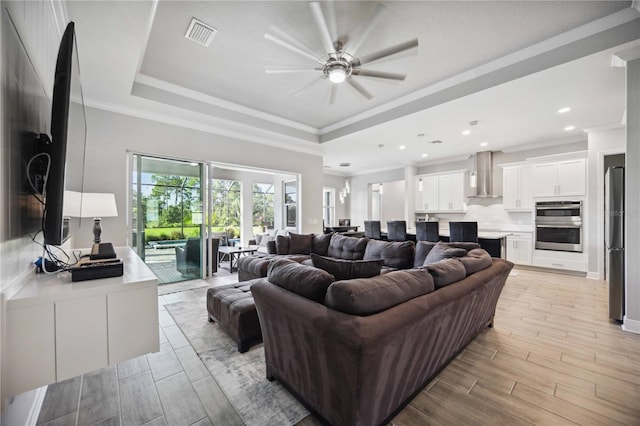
{"points": [[614, 239]]}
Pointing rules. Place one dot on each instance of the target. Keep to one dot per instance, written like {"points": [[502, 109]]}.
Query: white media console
{"points": [[57, 329]]}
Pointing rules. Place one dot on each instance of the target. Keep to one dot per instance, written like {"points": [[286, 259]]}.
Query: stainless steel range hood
{"points": [[482, 176]]}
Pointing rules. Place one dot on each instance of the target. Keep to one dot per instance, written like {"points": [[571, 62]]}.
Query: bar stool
{"points": [[427, 231], [463, 232], [372, 229], [397, 230]]}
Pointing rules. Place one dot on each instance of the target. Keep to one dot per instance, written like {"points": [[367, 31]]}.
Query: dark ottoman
{"points": [[232, 307]]}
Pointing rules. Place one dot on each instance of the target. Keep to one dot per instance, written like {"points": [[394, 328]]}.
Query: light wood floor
{"points": [[553, 358]]}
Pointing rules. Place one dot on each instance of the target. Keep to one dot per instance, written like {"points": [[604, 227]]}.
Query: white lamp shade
{"points": [[99, 205], [71, 204]]}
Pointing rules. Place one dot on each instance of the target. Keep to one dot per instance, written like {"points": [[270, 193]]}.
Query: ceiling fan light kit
{"points": [[339, 63]]}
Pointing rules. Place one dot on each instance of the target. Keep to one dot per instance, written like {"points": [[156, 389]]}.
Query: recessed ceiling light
{"points": [[402, 147], [466, 132], [425, 155], [563, 110], [484, 143], [569, 128]]}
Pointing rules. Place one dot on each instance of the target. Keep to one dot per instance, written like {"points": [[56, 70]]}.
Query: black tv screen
{"points": [[67, 148]]}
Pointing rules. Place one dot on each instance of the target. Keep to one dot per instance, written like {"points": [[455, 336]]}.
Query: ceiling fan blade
{"points": [[359, 88], [331, 20], [378, 74], [289, 70], [332, 93], [386, 52], [321, 22], [363, 32], [292, 47]]}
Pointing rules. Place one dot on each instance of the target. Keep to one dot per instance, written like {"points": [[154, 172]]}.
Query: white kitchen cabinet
{"points": [[516, 189], [57, 329], [519, 248], [427, 199], [563, 178], [451, 192], [441, 193]]}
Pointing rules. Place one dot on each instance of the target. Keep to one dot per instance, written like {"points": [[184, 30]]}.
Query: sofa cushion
{"points": [[302, 280], [443, 251], [395, 254], [422, 250], [463, 245], [446, 271], [350, 248], [476, 260], [343, 269], [320, 244], [300, 243], [367, 296]]}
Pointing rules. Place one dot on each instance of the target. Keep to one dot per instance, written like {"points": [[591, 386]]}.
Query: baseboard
{"points": [[632, 326], [593, 275]]}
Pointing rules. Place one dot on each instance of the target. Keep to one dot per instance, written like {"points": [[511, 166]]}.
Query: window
{"points": [[263, 194], [328, 206], [290, 203]]}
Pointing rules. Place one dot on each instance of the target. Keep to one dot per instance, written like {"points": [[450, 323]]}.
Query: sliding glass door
{"points": [[167, 216]]}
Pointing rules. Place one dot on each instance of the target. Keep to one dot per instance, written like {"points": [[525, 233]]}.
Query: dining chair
{"points": [[397, 230], [463, 232], [372, 229], [427, 231]]}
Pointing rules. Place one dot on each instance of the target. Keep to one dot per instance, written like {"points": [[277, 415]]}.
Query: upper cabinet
{"points": [[560, 178], [441, 192], [517, 193]]}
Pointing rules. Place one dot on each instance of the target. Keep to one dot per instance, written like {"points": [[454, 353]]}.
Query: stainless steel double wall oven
{"points": [[559, 225]]}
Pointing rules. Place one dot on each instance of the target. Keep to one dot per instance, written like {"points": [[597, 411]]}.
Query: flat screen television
{"points": [[66, 150]]}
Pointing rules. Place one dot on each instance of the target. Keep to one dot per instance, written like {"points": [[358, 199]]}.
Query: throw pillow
{"points": [[443, 251], [282, 244], [320, 244], [422, 250], [300, 243], [367, 296], [303, 280], [476, 260], [343, 269], [446, 271]]}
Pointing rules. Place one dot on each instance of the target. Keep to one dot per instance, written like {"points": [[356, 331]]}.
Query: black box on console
{"points": [[94, 270]]}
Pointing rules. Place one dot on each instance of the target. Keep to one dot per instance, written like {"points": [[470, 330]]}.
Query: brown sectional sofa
{"points": [[356, 351]]}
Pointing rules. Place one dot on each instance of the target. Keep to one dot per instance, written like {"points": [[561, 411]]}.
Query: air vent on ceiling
{"points": [[437, 141], [200, 32]]}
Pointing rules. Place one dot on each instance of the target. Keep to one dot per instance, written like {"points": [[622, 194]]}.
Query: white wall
{"points": [[110, 136], [360, 194], [632, 197], [601, 143]]}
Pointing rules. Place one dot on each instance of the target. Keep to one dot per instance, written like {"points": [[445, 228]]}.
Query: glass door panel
{"points": [[167, 225]]}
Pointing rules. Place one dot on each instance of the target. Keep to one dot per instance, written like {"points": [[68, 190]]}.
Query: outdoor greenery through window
{"points": [[263, 199], [225, 195], [169, 203]]}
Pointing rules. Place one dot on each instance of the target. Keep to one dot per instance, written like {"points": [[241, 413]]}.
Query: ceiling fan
{"points": [[340, 63]]}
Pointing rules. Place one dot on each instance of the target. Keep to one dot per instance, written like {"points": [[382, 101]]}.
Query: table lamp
{"points": [[99, 205]]}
